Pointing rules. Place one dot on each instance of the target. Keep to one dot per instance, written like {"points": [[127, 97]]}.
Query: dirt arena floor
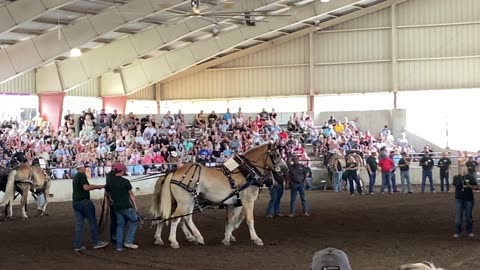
{"points": [[377, 232]]}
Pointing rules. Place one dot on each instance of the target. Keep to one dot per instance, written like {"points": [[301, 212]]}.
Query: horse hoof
{"points": [[226, 243], [258, 242], [201, 242], [233, 239], [192, 240], [174, 245], [159, 242]]}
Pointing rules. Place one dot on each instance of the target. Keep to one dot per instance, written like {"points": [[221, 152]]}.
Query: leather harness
{"points": [[251, 173]]}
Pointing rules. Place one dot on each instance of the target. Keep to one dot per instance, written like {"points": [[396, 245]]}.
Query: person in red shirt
{"points": [[386, 164], [283, 135], [258, 124]]}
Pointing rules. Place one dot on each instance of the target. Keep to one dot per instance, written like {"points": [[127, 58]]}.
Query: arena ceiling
{"points": [[136, 43]]}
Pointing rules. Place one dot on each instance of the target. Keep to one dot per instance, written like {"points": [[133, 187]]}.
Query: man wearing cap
{"points": [[84, 208], [330, 259], [298, 177], [125, 205]]}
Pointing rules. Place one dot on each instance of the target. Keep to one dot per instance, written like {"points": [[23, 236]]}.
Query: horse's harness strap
{"points": [[250, 172], [236, 191], [188, 186]]}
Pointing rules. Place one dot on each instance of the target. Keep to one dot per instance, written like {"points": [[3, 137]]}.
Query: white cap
{"points": [[80, 165], [330, 259]]}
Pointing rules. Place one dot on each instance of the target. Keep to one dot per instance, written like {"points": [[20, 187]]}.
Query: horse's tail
{"points": [[157, 195], [9, 189], [166, 197]]}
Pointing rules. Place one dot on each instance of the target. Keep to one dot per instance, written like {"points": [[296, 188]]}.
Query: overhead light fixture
{"points": [[216, 30], [75, 52], [324, 1]]}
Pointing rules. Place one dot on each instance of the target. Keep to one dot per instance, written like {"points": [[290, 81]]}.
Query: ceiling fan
{"points": [[247, 16]]}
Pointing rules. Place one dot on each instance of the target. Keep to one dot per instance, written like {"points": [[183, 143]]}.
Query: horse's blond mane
{"points": [[419, 266]]}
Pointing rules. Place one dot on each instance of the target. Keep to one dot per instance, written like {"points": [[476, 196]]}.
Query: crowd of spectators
{"points": [[149, 143]]}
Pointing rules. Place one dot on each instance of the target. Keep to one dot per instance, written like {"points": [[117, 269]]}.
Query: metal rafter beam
{"points": [[20, 11], [285, 38], [41, 49], [75, 71], [144, 73]]}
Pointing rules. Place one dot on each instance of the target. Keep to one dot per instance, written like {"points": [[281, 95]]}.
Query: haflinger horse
{"points": [[419, 266], [23, 179], [178, 194]]}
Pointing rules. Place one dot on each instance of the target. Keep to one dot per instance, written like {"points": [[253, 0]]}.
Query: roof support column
{"points": [[118, 103], [311, 96], [51, 106], [394, 52]]}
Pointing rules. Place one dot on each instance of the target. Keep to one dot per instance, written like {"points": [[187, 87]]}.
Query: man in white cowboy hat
{"points": [[330, 259], [84, 208]]}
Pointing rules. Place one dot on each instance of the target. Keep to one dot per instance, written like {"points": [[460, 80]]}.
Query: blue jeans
{"points": [[276, 193], [427, 174], [123, 217], [308, 183], [405, 179], [444, 177], [371, 183], [113, 225], [393, 179], [300, 188], [85, 209], [337, 182], [386, 182], [463, 207], [354, 177]]}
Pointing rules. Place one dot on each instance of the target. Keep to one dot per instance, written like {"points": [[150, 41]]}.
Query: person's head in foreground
{"points": [[330, 259], [419, 266]]}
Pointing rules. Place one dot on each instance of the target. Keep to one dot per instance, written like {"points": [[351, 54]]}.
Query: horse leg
{"points": [[158, 234], [197, 235], [24, 204], [45, 194], [173, 232], [190, 238], [232, 214], [248, 206], [238, 220]]}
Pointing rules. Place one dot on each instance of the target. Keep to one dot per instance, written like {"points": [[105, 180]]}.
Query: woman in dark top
{"points": [[464, 202]]}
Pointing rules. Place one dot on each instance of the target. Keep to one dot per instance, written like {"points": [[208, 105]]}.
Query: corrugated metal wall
{"points": [[88, 89], [147, 93], [23, 84], [438, 44], [437, 49], [288, 53]]}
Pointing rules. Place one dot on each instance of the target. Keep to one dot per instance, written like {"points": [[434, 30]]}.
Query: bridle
{"points": [[255, 169]]}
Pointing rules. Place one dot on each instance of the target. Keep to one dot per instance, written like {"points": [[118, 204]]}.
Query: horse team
{"points": [[180, 193]]}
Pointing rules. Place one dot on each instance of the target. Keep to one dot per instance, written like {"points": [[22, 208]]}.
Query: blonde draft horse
{"points": [[419, 266], [23, 179], [332, 165], [213, 185]]}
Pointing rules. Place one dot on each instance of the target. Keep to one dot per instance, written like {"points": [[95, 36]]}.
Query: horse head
{"points": [[267, 157]]}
